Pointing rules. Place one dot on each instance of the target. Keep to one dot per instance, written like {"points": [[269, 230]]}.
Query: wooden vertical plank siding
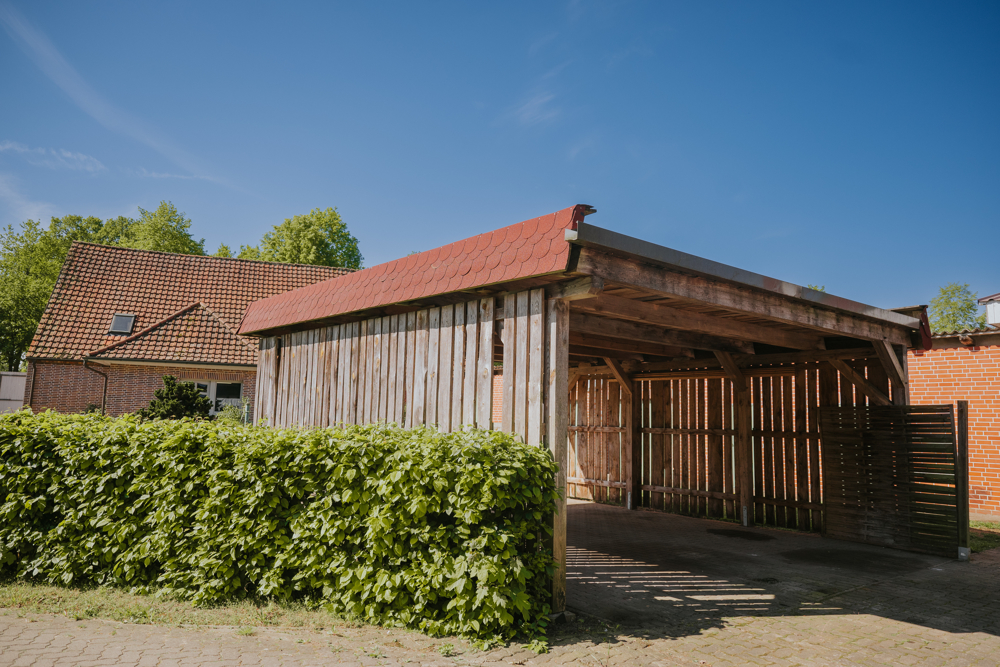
{"points": [[457, 367], [521, 364], [484, 368], [536, 361], [557, 421], [433, 347], [508, 337]]}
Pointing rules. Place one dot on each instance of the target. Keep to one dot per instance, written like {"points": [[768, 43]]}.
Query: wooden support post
{"points": [[962, 477], [557, 433], [744, 450]]}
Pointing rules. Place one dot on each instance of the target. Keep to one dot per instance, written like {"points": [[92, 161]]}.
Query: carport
{"points": [[657, 379]]}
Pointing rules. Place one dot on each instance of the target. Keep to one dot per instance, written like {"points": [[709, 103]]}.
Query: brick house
{"points": [[120, 319], [965, 365]]}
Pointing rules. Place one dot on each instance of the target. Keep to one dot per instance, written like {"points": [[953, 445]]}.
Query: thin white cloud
{"points": [[51, 62], [145, 173], [538, 109], [53, 158], [21, 207]]}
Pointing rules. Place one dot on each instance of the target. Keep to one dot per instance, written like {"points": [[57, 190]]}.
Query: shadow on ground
{"points": [[656, 574]]}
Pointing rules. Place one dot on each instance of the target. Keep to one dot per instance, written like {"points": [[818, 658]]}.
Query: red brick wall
{"points": [[942, 376], [66, 386]]}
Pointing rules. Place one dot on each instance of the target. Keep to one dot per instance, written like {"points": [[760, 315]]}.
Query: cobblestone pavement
{"points": [[652, 589]]}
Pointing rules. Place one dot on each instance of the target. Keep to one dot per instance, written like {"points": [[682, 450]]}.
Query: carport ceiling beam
{"points": [[859, 381], [584, 323], [609, 343], [736, 297], [651, 313], [620, 375]]}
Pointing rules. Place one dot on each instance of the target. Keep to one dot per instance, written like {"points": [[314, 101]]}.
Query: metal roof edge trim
{"points": [[590, 235]]}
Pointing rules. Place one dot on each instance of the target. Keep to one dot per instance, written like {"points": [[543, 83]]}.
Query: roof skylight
{"points": [[122, 323]]}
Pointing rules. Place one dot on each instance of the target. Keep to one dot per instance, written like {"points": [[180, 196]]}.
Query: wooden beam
{"points": [[860, 382], [962, 477], [587, 287], [620, 375], [651, 313], [732, 370], [557, 434], [585, 323], [609, 343], [897, 376], [737, 297], [744, 453], [600, 352]]}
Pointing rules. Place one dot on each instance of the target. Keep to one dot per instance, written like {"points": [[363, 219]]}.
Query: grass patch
{"points": [[984, 535], [118, 605]]}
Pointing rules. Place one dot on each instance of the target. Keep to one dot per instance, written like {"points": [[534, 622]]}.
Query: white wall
{"points": [[12, 391]]}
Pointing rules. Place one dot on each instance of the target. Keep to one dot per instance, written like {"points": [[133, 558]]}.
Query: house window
{"points": [[220, 394], [122, 323]]}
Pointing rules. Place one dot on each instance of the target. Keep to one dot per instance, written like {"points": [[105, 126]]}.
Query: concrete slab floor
{"points": [[684, 576]]}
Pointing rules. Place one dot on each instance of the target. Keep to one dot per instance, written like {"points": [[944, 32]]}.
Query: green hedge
{"points": [[439, 532]]}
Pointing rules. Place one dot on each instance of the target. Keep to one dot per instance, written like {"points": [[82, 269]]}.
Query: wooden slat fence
{"points": [[688, 436], [432, 366], [891, 476]]}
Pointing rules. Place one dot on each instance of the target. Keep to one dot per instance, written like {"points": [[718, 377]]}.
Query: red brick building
{"points": [[965, 365], [120, 319]]}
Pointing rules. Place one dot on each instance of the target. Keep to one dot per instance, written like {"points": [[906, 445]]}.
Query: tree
{"points": [[31, 258], [223, 251], [955, 308], [176, 400], [165, 230], [320, 237]]}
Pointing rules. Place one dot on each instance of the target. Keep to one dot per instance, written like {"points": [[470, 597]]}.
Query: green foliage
{"points": [[223, 251], [955, 308], [818, 288], [441, 532], [320, 237], [176, 400], [32, 256]]}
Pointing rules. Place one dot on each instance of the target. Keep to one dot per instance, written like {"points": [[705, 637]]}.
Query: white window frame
{"points": [[212, 385]]}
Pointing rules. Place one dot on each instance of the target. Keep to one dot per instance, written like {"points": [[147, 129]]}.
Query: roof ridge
{"points": [[212, 257], [228, 328], [151, 327]]}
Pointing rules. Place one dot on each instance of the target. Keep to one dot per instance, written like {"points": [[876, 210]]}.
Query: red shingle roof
{"points": [[530, 248], [98, 281]]}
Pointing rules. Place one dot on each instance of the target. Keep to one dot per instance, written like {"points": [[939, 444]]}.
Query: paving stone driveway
{"points": [[653, 589]]}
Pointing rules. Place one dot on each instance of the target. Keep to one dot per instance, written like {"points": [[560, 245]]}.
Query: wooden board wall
{"points": [[431, 366], [687, 438]]}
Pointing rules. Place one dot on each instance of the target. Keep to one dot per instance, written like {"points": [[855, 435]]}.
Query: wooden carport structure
{"points": [[656, 378]]}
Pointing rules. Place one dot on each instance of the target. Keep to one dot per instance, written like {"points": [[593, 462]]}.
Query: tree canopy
{"points": [[955, 308], [319, 237], [32, 256]]}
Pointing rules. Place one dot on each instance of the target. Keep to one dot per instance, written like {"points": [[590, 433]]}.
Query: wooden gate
{"points": [[896, 476], [597, 433]]}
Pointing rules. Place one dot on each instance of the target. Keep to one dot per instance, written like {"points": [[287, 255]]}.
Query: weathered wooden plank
{"points": [[521, 366], [433, 360], [536, 367], [788, 447], [737, 297], [656, 460], [686, 320], [767, 424], [586, 323], [484, 372], [802, 520], [391, 324], [420, 368], [508, 336], [715, 459], [728, 443], [411, 365], [859, 381], [673, 458], [686, 445], [362, 388], [398, 381], [457, 368], [385, 365], [962, 477], [343, 336], [557, 419], [444, 372], [333, 372], [471, 364], [744, 453]]}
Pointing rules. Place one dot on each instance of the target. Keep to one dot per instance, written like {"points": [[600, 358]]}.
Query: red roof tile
{"points": [[174, 297], [529, 248]]}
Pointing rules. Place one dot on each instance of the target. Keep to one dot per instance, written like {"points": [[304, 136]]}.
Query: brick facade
{"points": [[66, 386], [951, 372]]}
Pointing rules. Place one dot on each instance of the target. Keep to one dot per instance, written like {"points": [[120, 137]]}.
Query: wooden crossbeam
{"points": [[608, 343], [651, 313], [729, 365], [587, 287], [859, 381], [737, 297], [586, 323], [897, 376], [620, 375], [600, 352]]}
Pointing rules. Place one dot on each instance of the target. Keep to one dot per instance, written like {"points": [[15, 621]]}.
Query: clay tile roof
{"points": [[533, 247], [187, 307]]}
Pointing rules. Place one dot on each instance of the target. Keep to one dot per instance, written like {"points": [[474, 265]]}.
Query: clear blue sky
{"points": [[851, 145]]}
